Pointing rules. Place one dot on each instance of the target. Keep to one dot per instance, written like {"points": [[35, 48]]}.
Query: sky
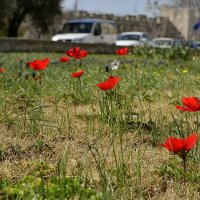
{"points": [[116, 7]]}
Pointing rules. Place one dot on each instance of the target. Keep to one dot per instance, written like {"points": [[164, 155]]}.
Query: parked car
{"points": [[165, 42], [197, 43], [132, 39], [87, 31], [188, 43]]}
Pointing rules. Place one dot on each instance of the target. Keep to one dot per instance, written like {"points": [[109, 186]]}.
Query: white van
{"points": [[87, 31]]}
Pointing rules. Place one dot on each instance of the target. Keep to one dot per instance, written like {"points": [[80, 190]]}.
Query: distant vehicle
{"points": [[132, 39], [87, 31], [188, 43], [165, 42], [197, 44]]}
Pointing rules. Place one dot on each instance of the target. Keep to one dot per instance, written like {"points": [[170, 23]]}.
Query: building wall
{"points": [[193, 18], [156, 27], [183, 19], [175, 23], [29, 45]]}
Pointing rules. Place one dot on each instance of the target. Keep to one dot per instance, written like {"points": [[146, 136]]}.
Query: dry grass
{"points": [[122, 156], [140, 157]]}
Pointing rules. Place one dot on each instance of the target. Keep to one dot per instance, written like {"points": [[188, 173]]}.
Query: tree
{"points": [[2, 13], [41, 13], [3, 7]]}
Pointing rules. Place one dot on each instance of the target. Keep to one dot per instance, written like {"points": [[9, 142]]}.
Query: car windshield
{"points": [[78, 27], [129, 37], [163, 42], [187, 43]]}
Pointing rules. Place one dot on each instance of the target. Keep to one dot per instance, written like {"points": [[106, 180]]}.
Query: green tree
{"points": [[41, 13], [3, 6]]}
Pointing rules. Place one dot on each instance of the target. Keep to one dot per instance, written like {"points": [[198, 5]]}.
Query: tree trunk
{"points": [[13, 28], [15, 22]]}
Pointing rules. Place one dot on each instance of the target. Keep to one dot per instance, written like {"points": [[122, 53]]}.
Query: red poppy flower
{"points": [[192, 104], [180, 146], [110, 83], [2, 70], [81, 54], [77, 53], [39, 64], [121, 51], [78, 74], [73, 51], [64, 59]]}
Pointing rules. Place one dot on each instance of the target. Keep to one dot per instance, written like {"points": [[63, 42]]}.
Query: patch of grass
{"points": [[56, 188], [66, 139]]}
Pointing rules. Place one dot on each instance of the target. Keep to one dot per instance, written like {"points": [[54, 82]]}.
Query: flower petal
{"points": [[76, 52], [64, 59], [77, 74], [190, 141], [173, 144], [104, 85], [109, 83], [121, 51], [191, 102], [39, 64], [185, 109], [113, 81]]}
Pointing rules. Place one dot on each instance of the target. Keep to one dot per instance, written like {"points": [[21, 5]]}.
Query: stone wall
{"points": [[183, 19], [173, 22], [30, 45], [156, 27]]}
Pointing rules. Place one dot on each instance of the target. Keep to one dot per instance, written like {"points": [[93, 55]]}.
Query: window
{"points": [[78, 27], [108, 29], [129, 37], [144, 36], [97, 29]]}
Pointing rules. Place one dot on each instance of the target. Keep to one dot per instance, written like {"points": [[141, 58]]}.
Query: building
{"points": [[183, 19]]}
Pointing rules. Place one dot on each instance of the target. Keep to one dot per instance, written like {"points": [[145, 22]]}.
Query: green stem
{"points": [[80, 92], [197, 122], [185, 168]]}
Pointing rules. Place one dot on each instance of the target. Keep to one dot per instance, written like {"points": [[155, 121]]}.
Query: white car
{"points": [[165, 42], [133, 39]]}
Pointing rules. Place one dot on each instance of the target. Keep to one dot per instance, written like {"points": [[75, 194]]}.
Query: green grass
{"points": [[60, 142]]}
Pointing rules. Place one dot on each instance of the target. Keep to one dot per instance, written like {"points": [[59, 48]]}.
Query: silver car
{"points": [[165, 42], [132, 39]]}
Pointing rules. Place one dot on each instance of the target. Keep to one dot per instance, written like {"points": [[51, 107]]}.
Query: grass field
{"points": [[64, 138]]}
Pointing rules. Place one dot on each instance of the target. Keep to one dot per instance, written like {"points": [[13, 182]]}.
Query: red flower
{"points": [[192, 104], [110, 83], [64, 59], [78, 74], [77, 53], [39, 64], [2, 70], [121, 51], [180, 146], [73, 51], [81, 54]]}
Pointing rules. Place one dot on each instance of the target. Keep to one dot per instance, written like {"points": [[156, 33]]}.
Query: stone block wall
{"points": [[168, 25], [27, 45], [183, 19], [156, 27]]}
